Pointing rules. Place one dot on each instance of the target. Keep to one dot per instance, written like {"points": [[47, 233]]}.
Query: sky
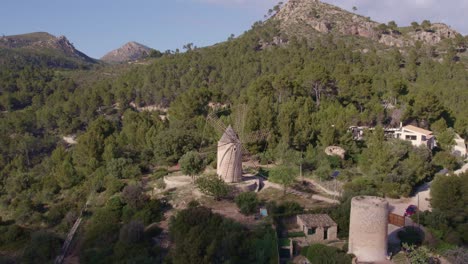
{"points": [[96, 27]]}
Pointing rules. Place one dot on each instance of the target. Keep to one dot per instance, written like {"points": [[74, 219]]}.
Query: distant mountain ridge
{"points": [[43, 41], [307, 17], [129, 52]]}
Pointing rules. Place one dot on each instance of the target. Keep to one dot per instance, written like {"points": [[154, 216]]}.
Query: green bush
{"points": [[247, 202], [160, 173], [321, 254], [43, 247], [11, 234], [212, 185], [411, 235]]}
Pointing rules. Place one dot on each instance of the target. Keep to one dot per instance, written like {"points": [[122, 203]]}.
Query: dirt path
{"points": [[462, 169], [299, 193]]}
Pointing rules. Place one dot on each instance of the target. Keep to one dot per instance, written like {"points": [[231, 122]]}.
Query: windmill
{"points": [[231, 145]]}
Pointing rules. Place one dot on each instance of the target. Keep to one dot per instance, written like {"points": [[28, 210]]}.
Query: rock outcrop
{"points": [[129, 52], [305, 18], [43, 40]]}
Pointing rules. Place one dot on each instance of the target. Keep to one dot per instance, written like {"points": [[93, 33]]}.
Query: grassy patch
{"points": [[272, 194]]}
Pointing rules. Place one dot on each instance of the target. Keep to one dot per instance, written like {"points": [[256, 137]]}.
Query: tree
{"points": [[191, 164], [415, 26], [226, 241], [191, 103], [392, 25], [212, 185], [132, 232], [417, 255], [382, 28], [448, 195], [133, 195], [283, 175], [446, 139], [426, 25], [43, 248], [247, 202], [316, 77], [354, 9], [322, 254]]}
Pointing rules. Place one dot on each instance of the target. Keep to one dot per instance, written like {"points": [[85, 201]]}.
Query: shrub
{"points": [[132, 232], [133, 195], [160, 184], [212, 185], [160, 173], [193, 203], [43, 247], [321, 254], [247, 202], [411, 235], [11, 234], [152, 231]]}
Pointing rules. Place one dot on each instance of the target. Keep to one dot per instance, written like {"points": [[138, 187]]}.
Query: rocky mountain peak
{"points": [[307, 17], [129, 52], [43, 40]]}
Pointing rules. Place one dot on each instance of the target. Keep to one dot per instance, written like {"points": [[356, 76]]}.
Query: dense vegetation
{"points": [[448, 222], [225, 242], [321, 254], [305, 94]]}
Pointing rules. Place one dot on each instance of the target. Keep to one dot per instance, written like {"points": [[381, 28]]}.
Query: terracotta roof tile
{"points": [[317, 220], [418, 129]]}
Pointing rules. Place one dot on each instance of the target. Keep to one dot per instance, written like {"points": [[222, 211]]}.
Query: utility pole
{"points": [[417, 211], [300, 169]]}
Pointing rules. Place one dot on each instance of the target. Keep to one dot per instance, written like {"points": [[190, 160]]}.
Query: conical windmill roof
{"points": [[229, 136]]}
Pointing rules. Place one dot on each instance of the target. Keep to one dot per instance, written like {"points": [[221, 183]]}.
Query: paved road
{"points": [[398, 206]]}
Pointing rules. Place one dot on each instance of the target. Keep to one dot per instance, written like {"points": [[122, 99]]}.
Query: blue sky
{"points": [[98, 26]]}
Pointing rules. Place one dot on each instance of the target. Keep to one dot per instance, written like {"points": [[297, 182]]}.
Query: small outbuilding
{"points": [[317, 227]]}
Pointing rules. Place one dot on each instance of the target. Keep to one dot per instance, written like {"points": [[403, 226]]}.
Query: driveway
{"points": [[421, 198]]}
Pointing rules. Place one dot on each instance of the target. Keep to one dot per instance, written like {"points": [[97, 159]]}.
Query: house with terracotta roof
{"points": [[317, 227], [417, 136]]}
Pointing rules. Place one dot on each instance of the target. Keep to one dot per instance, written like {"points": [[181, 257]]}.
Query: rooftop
{"points": [[229, 136], [317, 220], [418, 130]]}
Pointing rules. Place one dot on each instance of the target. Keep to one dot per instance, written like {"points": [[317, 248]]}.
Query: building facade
{"points": [[417, 136], [317, 227]]}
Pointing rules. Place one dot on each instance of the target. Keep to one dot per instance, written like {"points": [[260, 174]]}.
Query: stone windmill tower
{"points": [[231, 145], [229, 157]]}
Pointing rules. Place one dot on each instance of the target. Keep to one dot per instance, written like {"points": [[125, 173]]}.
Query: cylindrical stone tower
{"points": [[368, 228], [229, 163]]}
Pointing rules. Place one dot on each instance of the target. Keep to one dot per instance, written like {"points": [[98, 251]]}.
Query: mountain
{"points": [[43, 42], [306, 18], [129, 52]]}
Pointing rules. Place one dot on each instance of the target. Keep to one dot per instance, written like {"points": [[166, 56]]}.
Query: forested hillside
{"points": [[305, 93]]}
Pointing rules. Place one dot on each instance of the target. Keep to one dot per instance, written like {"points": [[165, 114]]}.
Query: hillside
{"points": [[301, 80], [43, 42], [306, 18], [129, 52]]}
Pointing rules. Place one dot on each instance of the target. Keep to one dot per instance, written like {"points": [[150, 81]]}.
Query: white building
{"points": [[417, 136]]}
